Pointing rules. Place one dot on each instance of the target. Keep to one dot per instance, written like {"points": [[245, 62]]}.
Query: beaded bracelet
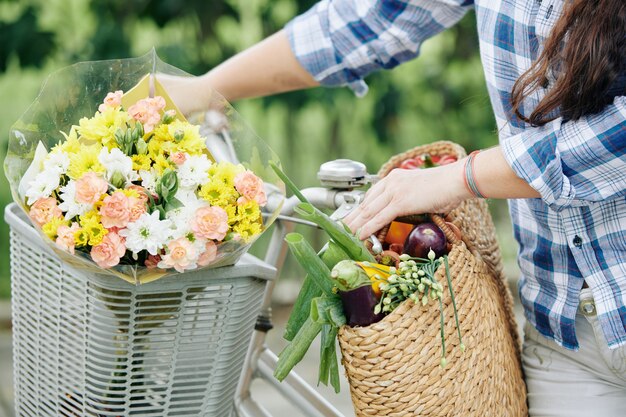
{"points": [[470, 181]]}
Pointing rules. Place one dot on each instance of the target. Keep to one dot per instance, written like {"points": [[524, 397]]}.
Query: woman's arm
{"points": [[435, 190], [335, 43], [268, 67]]}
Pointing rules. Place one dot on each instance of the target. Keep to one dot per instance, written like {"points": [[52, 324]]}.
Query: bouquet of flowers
{"points": [[135, 190]]}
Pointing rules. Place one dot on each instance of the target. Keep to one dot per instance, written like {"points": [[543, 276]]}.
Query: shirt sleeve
{"points": [[575, 162], [339, 42]]}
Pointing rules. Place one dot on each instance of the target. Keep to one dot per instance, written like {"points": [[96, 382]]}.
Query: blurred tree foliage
{"points": [[441, 95]]}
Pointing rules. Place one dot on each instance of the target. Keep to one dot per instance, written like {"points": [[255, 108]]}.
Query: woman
{"points": [[555, 72]]}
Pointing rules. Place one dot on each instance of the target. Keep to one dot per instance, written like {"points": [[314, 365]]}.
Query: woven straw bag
{"points": [[393, 366]]}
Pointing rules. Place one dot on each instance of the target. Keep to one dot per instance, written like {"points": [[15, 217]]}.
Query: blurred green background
{"points": [[441, 95]]}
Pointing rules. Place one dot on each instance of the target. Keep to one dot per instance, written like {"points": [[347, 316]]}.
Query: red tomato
{"points": [[447, 159], [398, 232], [410, 164], [435, 158]]}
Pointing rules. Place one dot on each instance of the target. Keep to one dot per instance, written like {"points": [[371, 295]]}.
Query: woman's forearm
{"points": [[435, 190], [496, 179], [268, 67]]}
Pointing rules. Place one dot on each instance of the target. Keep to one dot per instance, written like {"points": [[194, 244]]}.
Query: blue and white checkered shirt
{"points": [[577, 230]]}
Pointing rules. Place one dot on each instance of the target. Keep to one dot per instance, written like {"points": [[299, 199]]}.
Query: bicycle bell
{"points": [[343, 174]]}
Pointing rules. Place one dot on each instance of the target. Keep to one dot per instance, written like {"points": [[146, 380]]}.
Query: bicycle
{"points": [[96, 345]]}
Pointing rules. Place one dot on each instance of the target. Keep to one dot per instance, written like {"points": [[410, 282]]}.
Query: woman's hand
{"points": [[408, 191], [190, 94]]}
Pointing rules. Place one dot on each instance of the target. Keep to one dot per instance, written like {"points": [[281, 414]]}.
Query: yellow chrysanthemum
{"points": [[249, 212], [91, 217], [71, 144], [141, 162], [81, 237], [161, 163], [247, 230], [186, 137], [231, 211], [157, 146], [85, 160], [50, 228], [102, 127], [161, 134], [96, 232], [217, 193], [225, 172]]}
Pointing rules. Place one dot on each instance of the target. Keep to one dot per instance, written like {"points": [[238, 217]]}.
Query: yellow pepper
{"points": [[378, 274]]}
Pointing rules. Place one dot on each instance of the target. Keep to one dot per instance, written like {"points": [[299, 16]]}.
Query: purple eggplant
{"points": [[357, 295], [358, 306], [423, 238]]}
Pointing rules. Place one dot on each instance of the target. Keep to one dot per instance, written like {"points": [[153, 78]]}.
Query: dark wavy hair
{"points": [[586, 53]]}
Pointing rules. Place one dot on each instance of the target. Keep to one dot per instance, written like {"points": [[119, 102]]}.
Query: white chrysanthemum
{"points": [[149, 179], [70, 206], [194, 171], [57, 161], [116, 162], [43, 185], [147, 233], [182, 216]]}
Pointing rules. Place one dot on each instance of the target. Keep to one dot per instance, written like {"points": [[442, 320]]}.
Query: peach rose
{"points": [[65, 237], [111, 100], [210, 223], [143, 193], [178, 158], [43, 210], [115, 210], [108, 253], [137, 207], [181, 255], [209, 254], [148, 112], [90, 187], [250, 187]]}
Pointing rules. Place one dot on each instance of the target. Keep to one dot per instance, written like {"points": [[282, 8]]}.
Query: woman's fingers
{"points": [[368, 210], [374, 224]]}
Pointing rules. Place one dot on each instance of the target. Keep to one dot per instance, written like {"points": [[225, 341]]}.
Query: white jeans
{"points": [[564, 383]]}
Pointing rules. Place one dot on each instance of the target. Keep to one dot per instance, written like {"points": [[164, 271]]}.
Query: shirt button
{"points": [[578, 242]]}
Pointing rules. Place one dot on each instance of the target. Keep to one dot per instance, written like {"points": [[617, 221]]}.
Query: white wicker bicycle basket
{"points": [[95, 345]]}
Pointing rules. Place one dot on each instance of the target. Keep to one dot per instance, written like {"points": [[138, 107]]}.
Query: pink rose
{"points": [[210, 223], [111, 100], [108, 253], [250, 187], [209, 254], [148, 112], [44, 210], [115, 210], [137, 207], [178, 158], [65, 237], [90, 187], [181, 255]]}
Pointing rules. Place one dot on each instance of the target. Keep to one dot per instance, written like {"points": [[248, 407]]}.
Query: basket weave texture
{"points": [[393, 366]]}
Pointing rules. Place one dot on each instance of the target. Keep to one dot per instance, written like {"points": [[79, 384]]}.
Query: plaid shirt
{"points": [[577, 230]]}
